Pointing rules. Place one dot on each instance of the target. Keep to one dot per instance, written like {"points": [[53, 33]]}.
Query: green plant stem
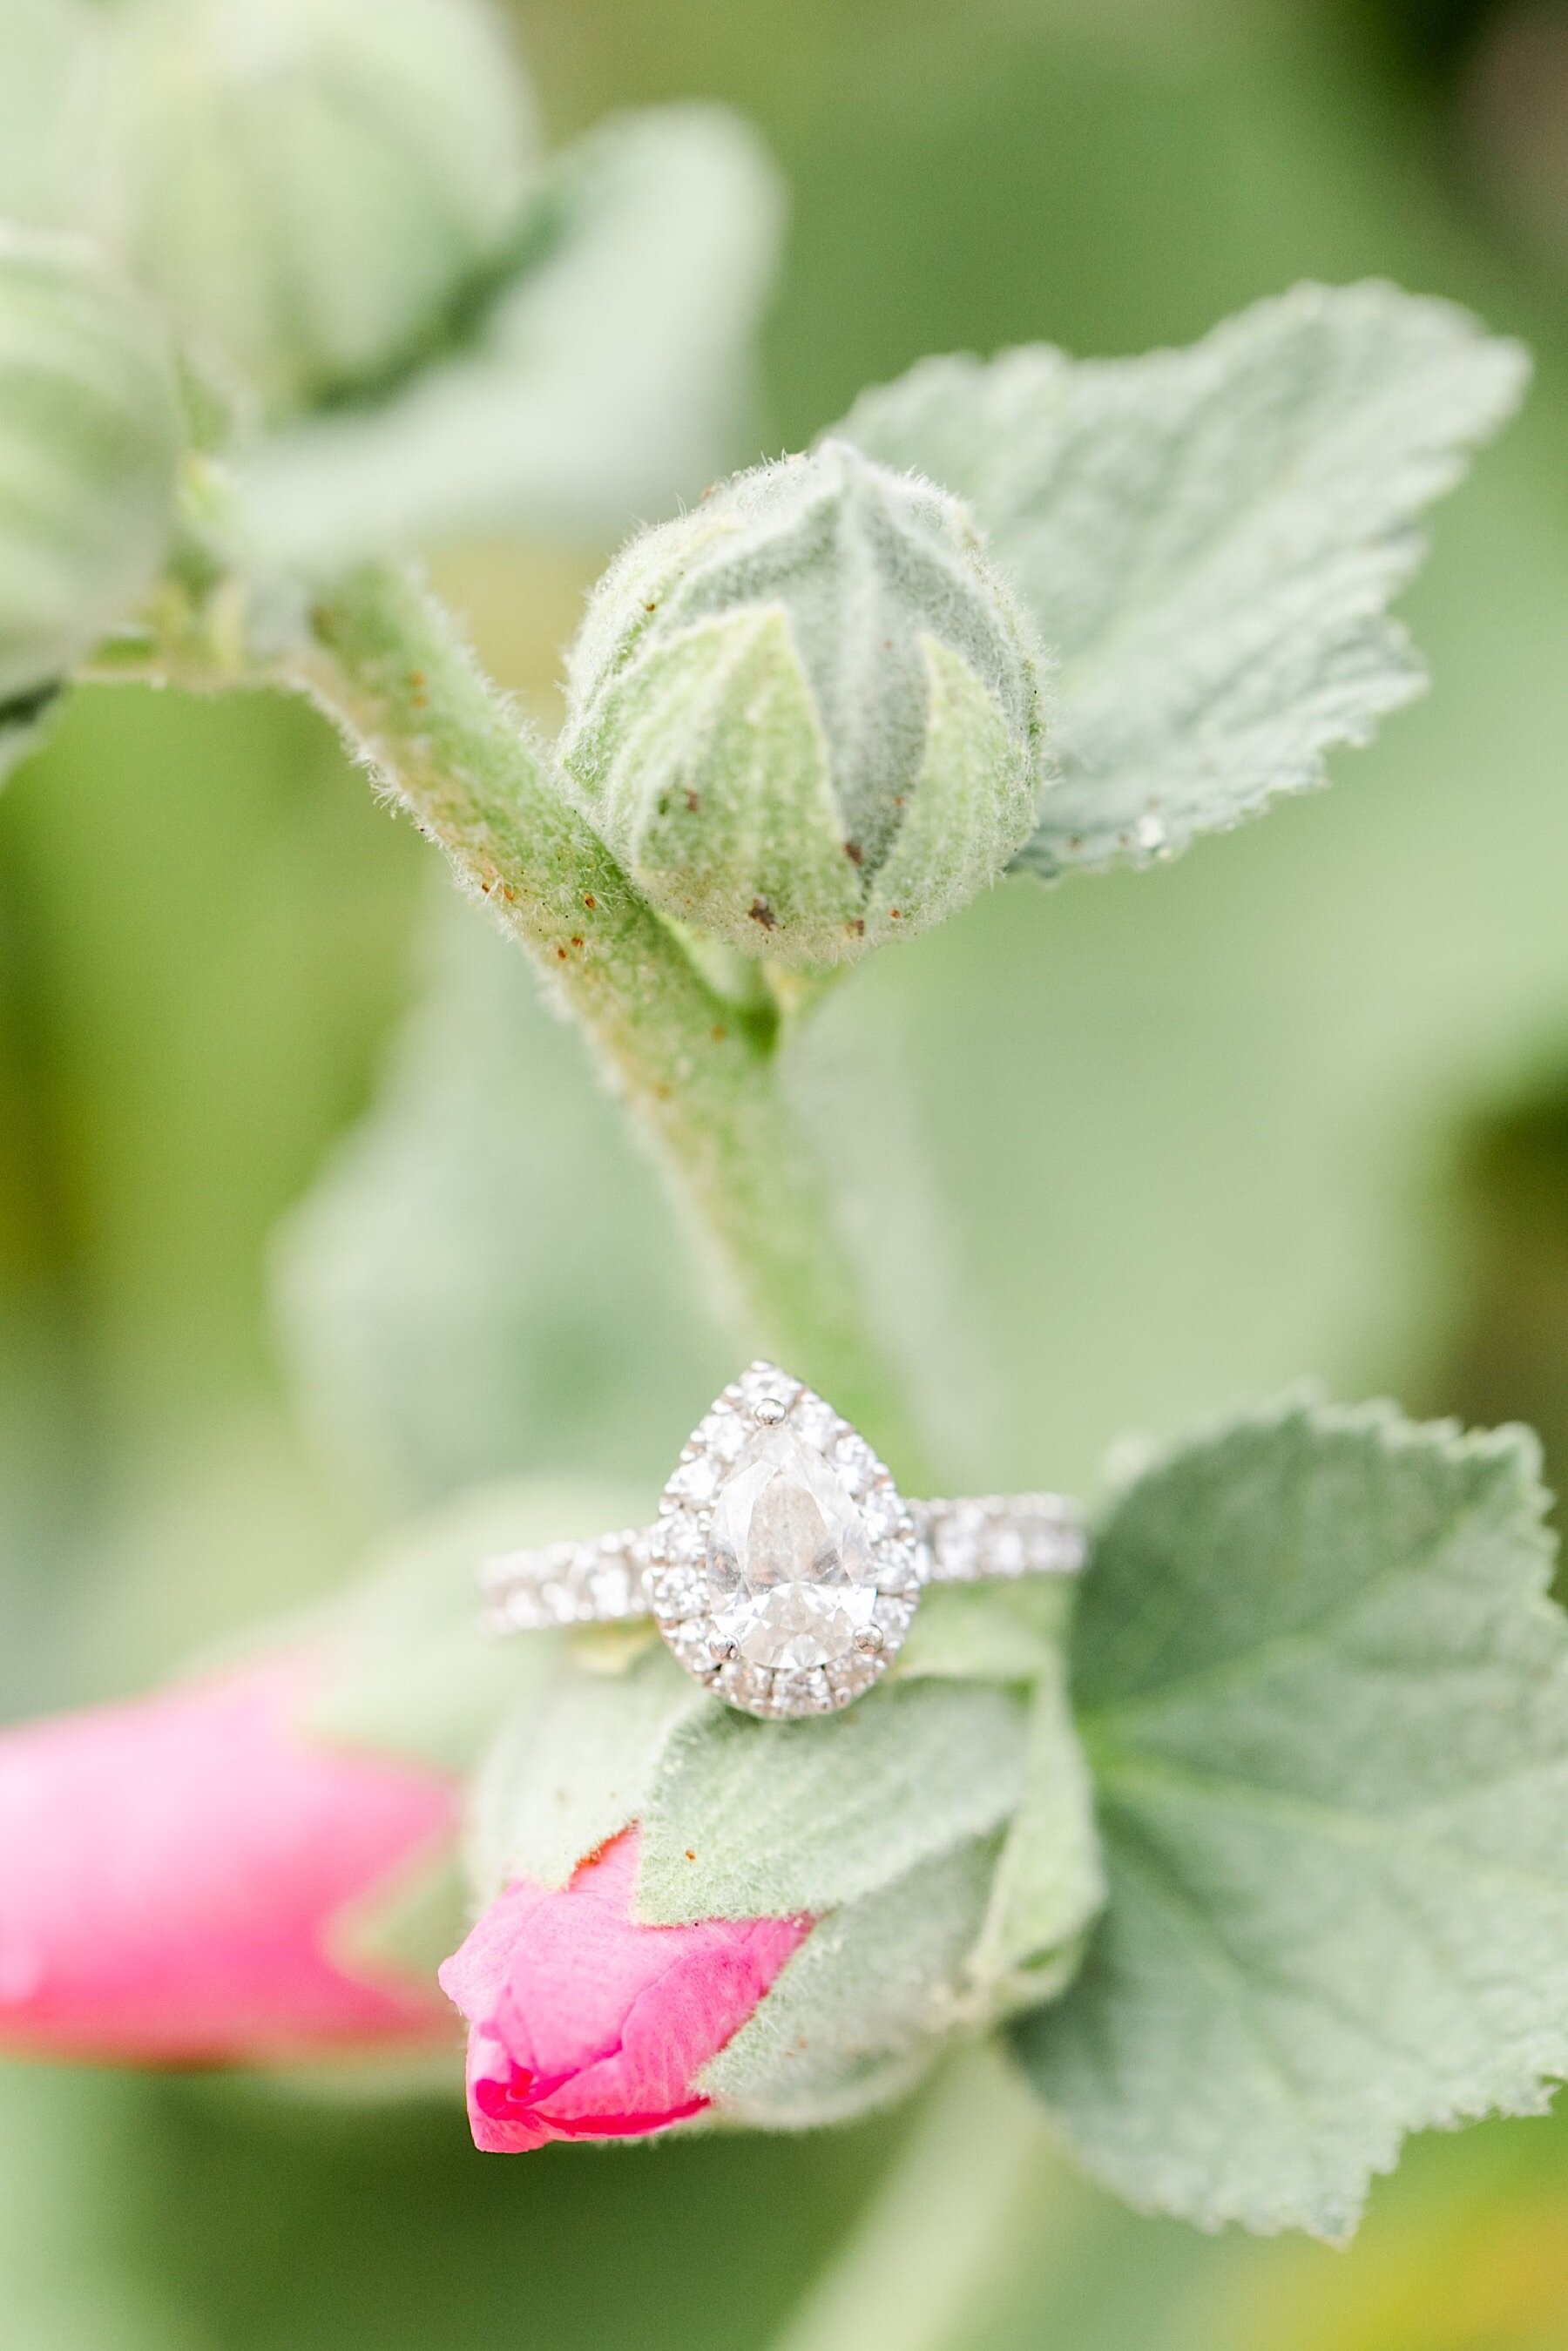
{"points": [[698, 1072], [941, 2233]]}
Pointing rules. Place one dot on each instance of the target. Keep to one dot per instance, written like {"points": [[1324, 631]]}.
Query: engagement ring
{"points": [[784, 1568]]}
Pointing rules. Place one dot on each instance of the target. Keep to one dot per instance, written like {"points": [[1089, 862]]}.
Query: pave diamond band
{"points": [[784, 1568], [604, 1581]]}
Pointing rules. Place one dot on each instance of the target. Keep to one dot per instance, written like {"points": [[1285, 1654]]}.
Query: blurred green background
{"points": [[1126, 1153]]}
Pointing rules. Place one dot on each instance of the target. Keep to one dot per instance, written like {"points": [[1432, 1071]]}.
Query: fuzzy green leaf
{"points": [[752, 1819], [864, 2003], [605, 382], [1208, 541], [573, 1766], [1326, 1702], [1050, 1880]]}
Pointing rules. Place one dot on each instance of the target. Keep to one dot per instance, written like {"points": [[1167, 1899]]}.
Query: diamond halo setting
{"points": [[784, 1568]]}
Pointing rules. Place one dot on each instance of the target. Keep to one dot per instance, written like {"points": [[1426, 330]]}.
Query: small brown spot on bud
{"points": [[561, 954], [761, 912], [690, 1854], [577, 938], [854, 853], [720, 1033], [694, 802], [591, 902], [857, 927], [893, 916]]}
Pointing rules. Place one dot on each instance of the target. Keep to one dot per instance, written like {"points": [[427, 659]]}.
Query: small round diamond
{"points": [[696, 1481], [610, 1588], [724, 1433], [690, 1643], [850, 1675], [681, 1539], [802, 1693], [897, 1571], [816, 1423], [893, 1619], [748, 1687], [678, 1592]]}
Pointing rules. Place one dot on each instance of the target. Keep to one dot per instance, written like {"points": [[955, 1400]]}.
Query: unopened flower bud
{"points": [[312, 186], [583, 2024], [90, 438], [182, 1873], [805, 716]]}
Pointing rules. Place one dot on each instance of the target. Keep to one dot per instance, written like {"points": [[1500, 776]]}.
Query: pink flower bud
{"points": [[174, 1873], [586, 2025]]}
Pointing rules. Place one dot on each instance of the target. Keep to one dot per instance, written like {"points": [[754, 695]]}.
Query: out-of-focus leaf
{"points": [[1002, 1632], [46, 54], [24, 724], [405, 1668], [1326, 1702], [1208, 541], [607, 379], [486, 1280]]}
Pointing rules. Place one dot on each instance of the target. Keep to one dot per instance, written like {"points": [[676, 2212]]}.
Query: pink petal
{"points": [[587, 2024], [172, 1872]]}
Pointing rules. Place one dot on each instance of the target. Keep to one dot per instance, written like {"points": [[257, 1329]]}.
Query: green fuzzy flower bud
{"points": [[806, 716], [90, 440], [312, 186]]}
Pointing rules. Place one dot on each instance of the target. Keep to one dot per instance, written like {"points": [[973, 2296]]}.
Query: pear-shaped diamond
{"points": [[789, 1564]]}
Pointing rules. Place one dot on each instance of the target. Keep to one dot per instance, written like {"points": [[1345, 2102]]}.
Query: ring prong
{"points": [[771, 1411], [723, 1653], [870, 1641]]}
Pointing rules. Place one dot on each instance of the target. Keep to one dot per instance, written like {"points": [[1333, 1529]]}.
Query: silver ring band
{"points": [[784, 1568], [604, 1581]]}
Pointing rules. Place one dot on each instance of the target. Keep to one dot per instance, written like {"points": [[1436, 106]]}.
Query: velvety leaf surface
{"points": [[863, 2005], [752, 1819], [572, 1765], [1050, 1880], [1208, 541], [1326, 1702]]}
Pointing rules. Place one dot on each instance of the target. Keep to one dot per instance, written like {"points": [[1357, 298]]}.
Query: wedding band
{"points": [[784, 1568]]}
